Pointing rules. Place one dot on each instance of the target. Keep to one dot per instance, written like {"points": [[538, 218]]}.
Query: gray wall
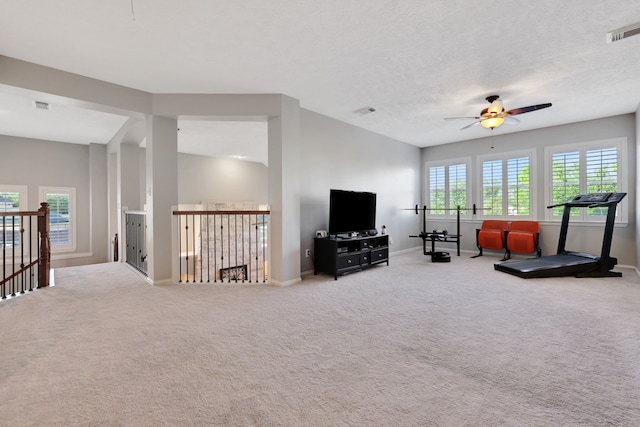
{"points": [[585, 238], [220, 180], [341, 156], [635, 212], [132, 178], [201, 178], [38, 163]]}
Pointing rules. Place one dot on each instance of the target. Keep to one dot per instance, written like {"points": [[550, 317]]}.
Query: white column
{"points": [[161, 194], [284, 193], [98, 202]]}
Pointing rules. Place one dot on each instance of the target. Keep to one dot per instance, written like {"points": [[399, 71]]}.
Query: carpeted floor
{"points": [[411, 344]]}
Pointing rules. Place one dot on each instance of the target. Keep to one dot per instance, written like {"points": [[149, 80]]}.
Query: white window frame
{"points": [[450, 211], [22, 190], [504, 158], [71, 191], [622, 211], [23, 204]]}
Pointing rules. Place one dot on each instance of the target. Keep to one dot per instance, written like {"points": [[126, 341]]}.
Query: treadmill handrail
{"points": [[559, 204], [595, 205]]}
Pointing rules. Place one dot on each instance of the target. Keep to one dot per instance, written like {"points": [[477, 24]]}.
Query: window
{"points": [[13, 198], [457, 186], [437, 190], [492, 187], [62, 218], [447, 187], [565, 169], [593, 167], [518, 186], [506, 185]]}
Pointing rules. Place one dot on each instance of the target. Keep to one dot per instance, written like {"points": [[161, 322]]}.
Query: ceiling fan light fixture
{"points": [[492, 122], [495, 107]]}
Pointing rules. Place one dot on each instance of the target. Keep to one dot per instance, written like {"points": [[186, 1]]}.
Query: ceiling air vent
{"points": [[623, 33], [365, 110], [41, 105]]}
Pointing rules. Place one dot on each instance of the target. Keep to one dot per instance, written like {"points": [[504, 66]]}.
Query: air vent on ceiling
{"points": [[365, 110], [623, 33], [41, 105]]}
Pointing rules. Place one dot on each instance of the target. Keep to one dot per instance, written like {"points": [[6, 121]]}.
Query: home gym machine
{"points": [[569, 263], [439, 235]]}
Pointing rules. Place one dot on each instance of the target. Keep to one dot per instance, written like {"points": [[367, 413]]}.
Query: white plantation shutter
{"points": [[565, 178], [507, 189], [457, 194], [602, 170], [601, 175], [13, 198], [437, 190], [492, 187], [62, 217], [586, 168], [518, 186], [447, 187]]}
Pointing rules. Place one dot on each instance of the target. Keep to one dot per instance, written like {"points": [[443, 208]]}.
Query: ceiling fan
{"points": [[494, 115]]}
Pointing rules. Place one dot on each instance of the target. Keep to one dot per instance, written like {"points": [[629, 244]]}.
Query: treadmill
{"points": [[569, 263]]}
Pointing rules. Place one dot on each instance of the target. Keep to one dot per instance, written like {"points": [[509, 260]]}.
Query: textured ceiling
{"points": [[415, 62]]}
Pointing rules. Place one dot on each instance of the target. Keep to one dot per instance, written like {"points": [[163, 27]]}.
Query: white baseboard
{"points": [[287, 283]]}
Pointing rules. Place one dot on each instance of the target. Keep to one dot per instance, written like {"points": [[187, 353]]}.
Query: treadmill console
{"points": [[594, 198]]}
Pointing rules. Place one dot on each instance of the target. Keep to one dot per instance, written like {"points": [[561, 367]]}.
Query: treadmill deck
{"points": [[550, 266]]}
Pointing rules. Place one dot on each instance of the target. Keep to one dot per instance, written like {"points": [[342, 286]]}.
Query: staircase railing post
{"points": [[45, 254]]}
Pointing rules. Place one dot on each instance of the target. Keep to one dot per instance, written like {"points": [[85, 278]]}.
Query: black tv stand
{"points": [[337, 256]]}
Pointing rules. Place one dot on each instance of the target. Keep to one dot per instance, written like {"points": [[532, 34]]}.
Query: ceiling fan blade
{"points": [[508, 120], [527, 109], [461, 118], [469, 125]]}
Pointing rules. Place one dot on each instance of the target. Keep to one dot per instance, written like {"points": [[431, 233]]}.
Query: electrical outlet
{"points": [[307, 253]]}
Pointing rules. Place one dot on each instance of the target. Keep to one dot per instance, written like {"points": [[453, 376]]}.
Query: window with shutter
{"points": [[13, 198], [593, 167], [518, 186], [447, 187], [492, 187], [506, 185], [437, 190], [62, 218]]}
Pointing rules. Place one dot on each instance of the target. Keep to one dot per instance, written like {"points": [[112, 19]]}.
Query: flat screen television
{"points": [[351, 211]]}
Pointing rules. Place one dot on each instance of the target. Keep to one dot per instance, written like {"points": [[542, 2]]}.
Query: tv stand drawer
{"points": [[347, 261], [379, 255]]}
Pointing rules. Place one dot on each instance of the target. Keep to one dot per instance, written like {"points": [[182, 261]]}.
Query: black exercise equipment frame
{"points": [[569, 263], [440, 236]]}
